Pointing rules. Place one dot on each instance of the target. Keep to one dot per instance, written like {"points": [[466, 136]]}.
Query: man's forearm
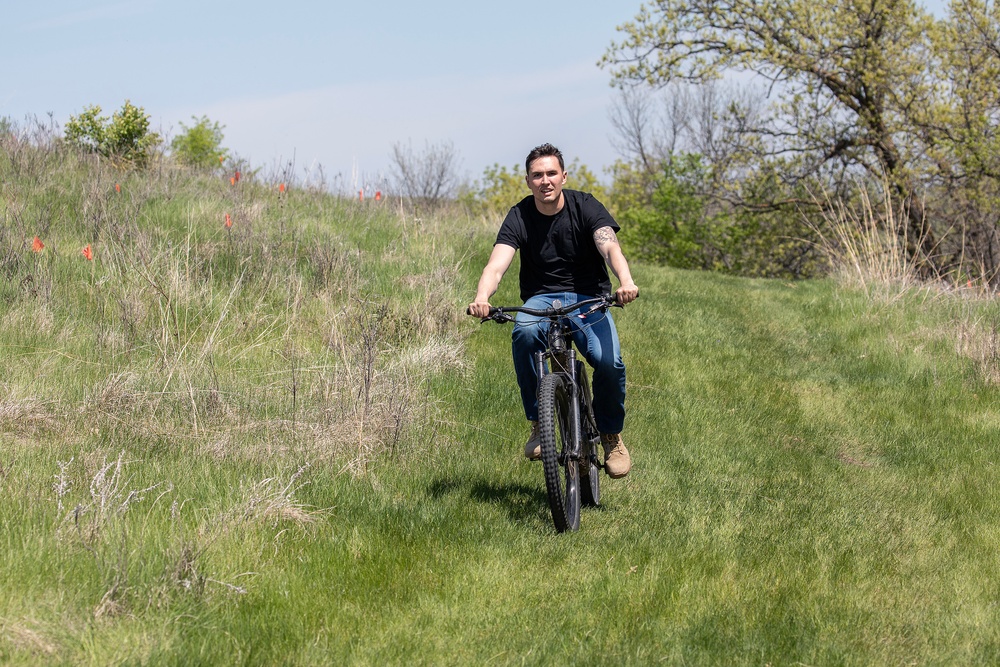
{"points": [[488, 284], [619, 267]]}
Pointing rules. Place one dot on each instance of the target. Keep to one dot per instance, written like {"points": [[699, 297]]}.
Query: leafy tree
{"points": [[125, 138], [683, 225], [88, 130], [580, 177], [674, 228], [845, 73], [498, 190], [199, 145]]}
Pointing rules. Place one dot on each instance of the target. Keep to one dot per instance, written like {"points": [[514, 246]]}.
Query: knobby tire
{"points": [[555, 431]]}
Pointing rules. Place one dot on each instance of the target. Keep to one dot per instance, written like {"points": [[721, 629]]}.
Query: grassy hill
{"points": [[281, 443]]}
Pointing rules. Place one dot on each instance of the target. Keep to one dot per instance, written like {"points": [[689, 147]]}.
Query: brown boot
{"points": [[617, 462], [533, 448]]}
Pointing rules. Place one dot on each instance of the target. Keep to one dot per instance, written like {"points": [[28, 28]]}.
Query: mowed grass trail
{"points": [[285, 445], [813, 483]]}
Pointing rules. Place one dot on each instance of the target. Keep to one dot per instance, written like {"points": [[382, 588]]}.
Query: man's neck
{"points": [[551, 208]]}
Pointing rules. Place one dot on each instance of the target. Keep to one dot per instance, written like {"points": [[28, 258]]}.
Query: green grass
{"points": [[813, 476]]}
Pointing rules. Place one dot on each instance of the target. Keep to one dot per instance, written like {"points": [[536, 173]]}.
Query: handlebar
{"points": [[501, 314]]}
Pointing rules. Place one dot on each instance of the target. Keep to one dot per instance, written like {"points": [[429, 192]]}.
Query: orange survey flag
{"points": [[37, 245], [88, 253]]}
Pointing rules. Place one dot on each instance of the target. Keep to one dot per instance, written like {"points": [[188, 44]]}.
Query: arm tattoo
{"points": [[605, 236]]}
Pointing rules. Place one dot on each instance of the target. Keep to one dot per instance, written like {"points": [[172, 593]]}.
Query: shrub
{"points": [[675, 227], [428, 177], [680, 223], [124, 139], [199, 145]]}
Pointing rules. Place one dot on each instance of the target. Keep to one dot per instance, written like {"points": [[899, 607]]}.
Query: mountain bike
{"points": [[567, 430]]}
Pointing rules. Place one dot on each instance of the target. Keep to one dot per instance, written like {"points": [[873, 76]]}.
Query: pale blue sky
{"points": [[334, 83]]}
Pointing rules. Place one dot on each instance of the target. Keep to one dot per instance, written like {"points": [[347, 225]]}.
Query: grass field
{"points": [[281, 443]]}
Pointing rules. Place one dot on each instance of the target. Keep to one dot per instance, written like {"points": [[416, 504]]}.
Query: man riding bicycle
{"points": [[567, 240]]}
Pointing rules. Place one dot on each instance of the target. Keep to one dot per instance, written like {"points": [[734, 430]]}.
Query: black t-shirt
{"points": [[558, 253]]}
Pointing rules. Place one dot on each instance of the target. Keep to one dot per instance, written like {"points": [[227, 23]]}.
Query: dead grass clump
{"points": [[437, 355], [26, 639], [272, 501], [334, 268], [35, 317], [385, 426], [440, 313], [112, 604], [980, 342], [27, 416], [112, 395]]}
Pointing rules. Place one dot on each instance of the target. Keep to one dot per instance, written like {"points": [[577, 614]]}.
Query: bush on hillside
{"points": [[199, 145], [124, 138]]}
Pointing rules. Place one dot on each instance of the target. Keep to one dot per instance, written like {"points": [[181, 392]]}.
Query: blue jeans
{"points": [[597, 340]]}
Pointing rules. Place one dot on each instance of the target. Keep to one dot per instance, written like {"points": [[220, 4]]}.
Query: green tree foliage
{"points": [[498, 190], [844, 70], [961, 133], [199, 145], [844, 75], [682, 226], [872, 96], [88, 130], [675, 227], [125, 138]]}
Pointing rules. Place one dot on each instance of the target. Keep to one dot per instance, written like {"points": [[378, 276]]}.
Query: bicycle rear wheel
{"points": [[590, 471], [556, 435]]}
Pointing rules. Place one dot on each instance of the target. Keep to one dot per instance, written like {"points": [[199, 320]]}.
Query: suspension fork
{"points": [[565, 361], [574, 407]]}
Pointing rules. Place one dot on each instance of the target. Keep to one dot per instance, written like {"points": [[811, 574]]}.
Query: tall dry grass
{"points": [[280, 335], [866, 244], [302, 338]]}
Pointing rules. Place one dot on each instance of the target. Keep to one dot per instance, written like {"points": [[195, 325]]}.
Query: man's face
{"points": [[546, 180]]}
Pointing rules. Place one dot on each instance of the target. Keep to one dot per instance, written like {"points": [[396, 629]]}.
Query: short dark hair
{"points": [[545, 150]]}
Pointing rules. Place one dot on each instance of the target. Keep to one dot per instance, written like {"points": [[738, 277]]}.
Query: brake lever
{"points": [[600, 306], [499, 317]]}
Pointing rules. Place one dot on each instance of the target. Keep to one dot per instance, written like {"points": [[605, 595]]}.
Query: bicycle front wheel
{"points": [[556, 435]]}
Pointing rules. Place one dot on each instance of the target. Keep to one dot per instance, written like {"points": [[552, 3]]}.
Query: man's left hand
{"points": [[627, 293]]}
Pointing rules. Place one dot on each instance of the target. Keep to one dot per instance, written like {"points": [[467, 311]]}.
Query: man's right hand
{"points": [[479, 309]]}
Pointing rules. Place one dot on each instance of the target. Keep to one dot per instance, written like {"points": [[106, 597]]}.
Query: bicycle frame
{"points": [[559, 350], [566, 442]]}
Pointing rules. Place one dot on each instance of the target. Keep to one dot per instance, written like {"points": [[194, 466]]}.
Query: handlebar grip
{"points": [[618, 303], [493, 311]]}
